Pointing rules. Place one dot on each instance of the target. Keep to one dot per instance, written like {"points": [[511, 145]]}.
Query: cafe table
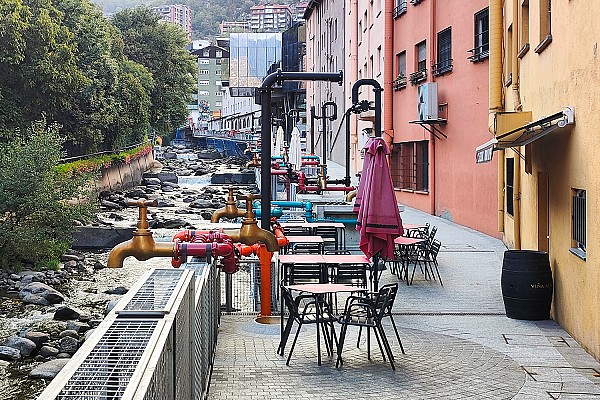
{"points": [[317, 289], [405, 245]]}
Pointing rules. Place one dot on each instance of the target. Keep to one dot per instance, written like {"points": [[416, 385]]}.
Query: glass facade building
{"points": [[251, 55]]}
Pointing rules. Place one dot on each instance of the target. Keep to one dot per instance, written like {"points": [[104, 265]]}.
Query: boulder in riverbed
{"points": [[23, 345], [39, 338], [48, 370], [40, 293], [65, 313], [9, 353]]}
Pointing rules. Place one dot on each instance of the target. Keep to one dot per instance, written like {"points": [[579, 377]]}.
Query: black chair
{"points": [[330, 236], [429, 259], [306, 273], [387, 312], [308, 315], [368, 313], [349, 274], [306, 248]]}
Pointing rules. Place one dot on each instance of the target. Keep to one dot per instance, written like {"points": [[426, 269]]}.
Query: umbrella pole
{"points": [[375, 271]]}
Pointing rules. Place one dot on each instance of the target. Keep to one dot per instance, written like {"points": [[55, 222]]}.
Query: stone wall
{"points": [[125, 176]]}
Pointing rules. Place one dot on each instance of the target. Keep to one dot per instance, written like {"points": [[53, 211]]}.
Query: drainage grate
{"points": [[155, 294], [108, 369]]}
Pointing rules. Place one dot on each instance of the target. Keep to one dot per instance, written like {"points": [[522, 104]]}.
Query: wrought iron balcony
{"points": [[400, 9], [441, 68], [399, 83], [417, 76], [479, 53], [415, 2]]}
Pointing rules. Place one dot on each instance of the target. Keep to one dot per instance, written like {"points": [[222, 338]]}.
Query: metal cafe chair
{"points": [[330, 236], [387, 312], [308, 315], [306, 248], [428, 256], [363, 312], [349, 274]]}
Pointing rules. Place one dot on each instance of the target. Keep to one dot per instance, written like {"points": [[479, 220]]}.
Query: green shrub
{"points": [[98, 163], [39, 204]]}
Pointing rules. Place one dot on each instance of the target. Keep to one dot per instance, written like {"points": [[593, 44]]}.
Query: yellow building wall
{"points": [[566, 73]]}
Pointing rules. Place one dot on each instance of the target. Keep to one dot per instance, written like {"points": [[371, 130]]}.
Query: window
{"points": [[218, 104], [360, 32], [379, 62], [508, 56], [203, 72], [203, 61], [219, 94], [481, 50], [410, 166], [510, 177], [545, 25], [524, 25], [204, 93], [203, 83], [218, 72], [399, 9], [421, 56], [206, 53], [219, 61], [444, 52], [578, 216], [219, 54], [372, 66], [400, 81]]}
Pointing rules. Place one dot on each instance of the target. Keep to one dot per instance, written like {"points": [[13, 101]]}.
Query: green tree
{"points": [[38, 204], [160, 48]]}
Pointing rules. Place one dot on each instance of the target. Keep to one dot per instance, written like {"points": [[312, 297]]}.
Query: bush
{"points": [[39, 204]]}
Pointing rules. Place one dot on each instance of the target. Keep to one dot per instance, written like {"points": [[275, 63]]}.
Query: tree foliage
{"points": [[160, 48], [37, 207]]}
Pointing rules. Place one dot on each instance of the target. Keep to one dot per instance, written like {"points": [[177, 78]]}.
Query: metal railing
{"points": [[143, 348]]}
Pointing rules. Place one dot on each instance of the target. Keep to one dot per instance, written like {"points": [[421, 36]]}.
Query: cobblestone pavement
{"points": [[459, 344]]}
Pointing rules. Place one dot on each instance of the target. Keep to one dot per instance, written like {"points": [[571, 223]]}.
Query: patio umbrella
{"points": [[295, 152], [378, 218], [278, 142]]}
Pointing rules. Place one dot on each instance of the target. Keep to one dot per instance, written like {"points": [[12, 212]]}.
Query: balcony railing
{"points": [[417, 76], [479, 53], [415, 2], [441, 68], [400, 9], [399, 83]]}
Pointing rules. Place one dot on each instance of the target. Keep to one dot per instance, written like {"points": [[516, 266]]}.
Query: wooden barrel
{"points": [[527, 284]]}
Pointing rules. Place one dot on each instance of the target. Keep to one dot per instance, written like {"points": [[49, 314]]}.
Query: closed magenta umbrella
{"points": [[378, 218], [295, 152]]}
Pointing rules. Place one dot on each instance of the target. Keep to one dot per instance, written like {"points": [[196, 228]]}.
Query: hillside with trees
{"points": [[206, 14]]}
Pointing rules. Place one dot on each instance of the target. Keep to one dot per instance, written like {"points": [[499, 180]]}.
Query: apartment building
{"points": [[270, 18], [177, 14]]}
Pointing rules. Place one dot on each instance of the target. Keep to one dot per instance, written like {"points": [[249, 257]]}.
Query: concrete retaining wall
{"points": [[125, 176]]}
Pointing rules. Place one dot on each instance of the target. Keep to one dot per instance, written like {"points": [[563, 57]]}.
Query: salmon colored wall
{"points": [[464, 192]]}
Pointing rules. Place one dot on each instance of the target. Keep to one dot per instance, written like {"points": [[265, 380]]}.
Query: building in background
{"points": [[227, 27], [298, 10], [212, 67], [177, 14], [326, 52], [270, 18]]}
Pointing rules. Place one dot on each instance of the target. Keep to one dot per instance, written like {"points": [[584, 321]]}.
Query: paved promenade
{"points": [[459, 344]]}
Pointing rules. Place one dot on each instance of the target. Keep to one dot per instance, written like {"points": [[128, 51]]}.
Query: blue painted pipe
{"points": [[315, 157], [275, 212], [342, 220], [307, 205]]}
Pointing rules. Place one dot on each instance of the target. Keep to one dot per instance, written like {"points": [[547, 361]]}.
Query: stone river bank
{"points": [[46, 315]]}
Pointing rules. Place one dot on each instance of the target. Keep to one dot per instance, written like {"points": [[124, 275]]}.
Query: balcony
{"points": [[399, 83], [479, 53], [417, 76], [441, 68], [400, 9], [415, 2]]}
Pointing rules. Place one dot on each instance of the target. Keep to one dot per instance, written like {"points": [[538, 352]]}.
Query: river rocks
{"points": [[110, 205], [70, 333], [23, 345], [118, 290], [41, 294], [68, 345], [9, 353], [77, 326], [109, 306], [48, 351], [64, 313], [200, 203], [39, 338], [48, 370]]}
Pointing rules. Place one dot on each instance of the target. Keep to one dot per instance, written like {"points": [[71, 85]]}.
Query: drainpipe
{"points": [[388, 73], [352, 70], [517, 107], [495, 93], [432, 52], [265, 91], [312, 130]]}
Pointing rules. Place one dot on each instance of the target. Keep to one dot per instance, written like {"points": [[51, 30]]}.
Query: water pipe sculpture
{"points": [[265, 92], [229, 211], [143, 247]]}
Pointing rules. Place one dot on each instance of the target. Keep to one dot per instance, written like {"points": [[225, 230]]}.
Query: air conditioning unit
{"points": [[428, 101]]}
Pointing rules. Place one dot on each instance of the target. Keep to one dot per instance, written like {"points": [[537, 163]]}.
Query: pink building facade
{"points": [[439, 110]]}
